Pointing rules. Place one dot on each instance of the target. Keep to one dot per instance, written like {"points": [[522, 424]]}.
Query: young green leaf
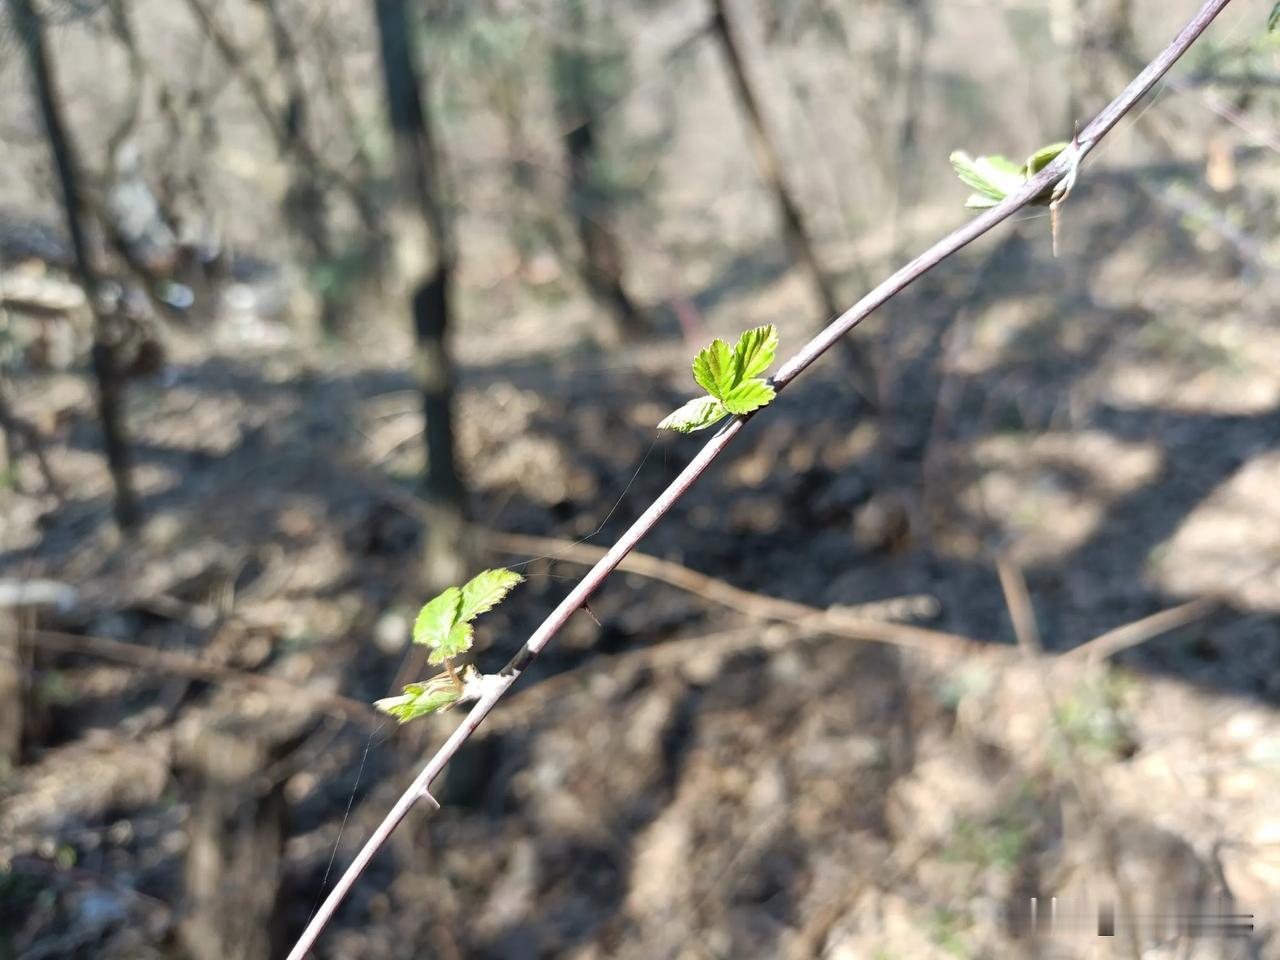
{"points": [[1273, 21], [444, 624], [967, 170], [438, 693], [437, 618], [698, 414], [748, 396], [729, 376], [1043, 157], [485, 591], [754, 352], [993, 177], [455, 644], [714, 370]]}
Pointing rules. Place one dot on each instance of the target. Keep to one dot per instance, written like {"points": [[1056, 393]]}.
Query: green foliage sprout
{"points": [[444, 625], [731, 378], [995, 177]]}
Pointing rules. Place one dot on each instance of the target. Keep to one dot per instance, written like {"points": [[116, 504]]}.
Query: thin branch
{"points": [[1107, 645], [104, 361], [1096, 820], [166, 661], [675, 655], [864, 621], [769, 165], [290, 146], [689, 653], [1021, 613], [869, 621], [949, 245], [1229, 113]]}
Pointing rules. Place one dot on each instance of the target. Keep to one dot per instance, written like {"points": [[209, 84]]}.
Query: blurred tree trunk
{"points": [[575, 82], [423, 257], [536, 225], [769, 163], [235, 857], [107, 324], [305, 207]]}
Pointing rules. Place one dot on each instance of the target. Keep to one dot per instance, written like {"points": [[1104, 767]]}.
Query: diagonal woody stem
{"points": [[944, 248]]}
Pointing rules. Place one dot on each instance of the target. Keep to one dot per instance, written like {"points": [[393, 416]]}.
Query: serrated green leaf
{"points": [[419, 699], [754, 352], [437, 618], [1273, 21], [713, 369], [485, 591], [991, 177], [748, 396], [1043, 157], [698, 414], [455, 644]]}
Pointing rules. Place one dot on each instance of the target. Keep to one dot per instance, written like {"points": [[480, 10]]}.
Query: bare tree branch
{"points": [[955, 241], [1097, 820], [197, 668], [769, 163], [290, 143], [106, 334], [1108, 644], [867, 621]]}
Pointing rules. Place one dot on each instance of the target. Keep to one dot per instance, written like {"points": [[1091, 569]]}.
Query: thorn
{"points": [[426, 795], [590, 613]]}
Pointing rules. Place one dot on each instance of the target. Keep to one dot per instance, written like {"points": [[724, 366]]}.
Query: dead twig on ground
{"points": [[679, 653], [869, 621], [1108, 644], [702, 654], [819, 345], [758, 605], [1022, 613], [166, 661]]}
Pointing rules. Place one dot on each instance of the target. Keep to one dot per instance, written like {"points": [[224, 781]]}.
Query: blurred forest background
{"points": [[310, 309]]}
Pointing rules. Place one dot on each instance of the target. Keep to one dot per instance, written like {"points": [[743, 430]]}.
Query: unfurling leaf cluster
{"points": [[995, 177], [439, 693], [444, 625], [731, 378]]}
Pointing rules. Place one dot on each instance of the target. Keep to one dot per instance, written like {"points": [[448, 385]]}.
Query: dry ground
{"points": [[1107, 421]]}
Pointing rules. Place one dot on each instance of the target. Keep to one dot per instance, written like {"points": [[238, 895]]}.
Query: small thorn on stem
{"points": [[591, 613], [426, 795]]}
